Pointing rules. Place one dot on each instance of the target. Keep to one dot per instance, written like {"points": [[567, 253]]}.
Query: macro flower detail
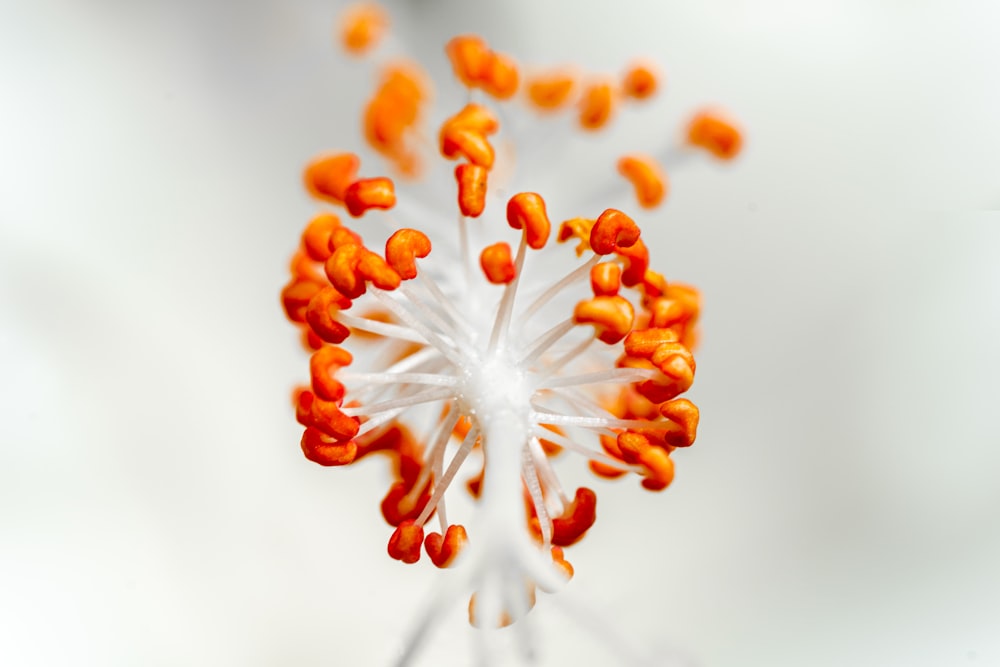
{"points": [[475, 344]]}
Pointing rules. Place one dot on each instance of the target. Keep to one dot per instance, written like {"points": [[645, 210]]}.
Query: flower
{"points": [[455, 349]]}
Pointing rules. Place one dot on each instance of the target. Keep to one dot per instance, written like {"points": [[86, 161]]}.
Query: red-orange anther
{"points": [[406, 541], [576, 518], [320, 315], [578, 228], [323, 366], [560, 561], [328, 176], [496, 263], [501, 78], [392, 113], [341, 235], [402, 249], [653, 283], [325, 416], [399, 505], [302, 267], [362, 27], [606, 279], [678, 305], [295, 297], [632, 445], [646, 177], [320, 449], [659, 468], [550, 91], [636, 258], [316, 236], [612, 317], [475, 117], [373, 268], [470, 58], [677, 364], [683, 416], [612, 231], [596, 105], [643, 343], [342, 270], [640, 81], [526, 210], [715, 133], [442, 550], [458, 141], [471, 180], [368, 193]]}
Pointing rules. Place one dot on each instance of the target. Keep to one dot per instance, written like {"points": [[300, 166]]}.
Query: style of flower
{"points": [[474, 357]]}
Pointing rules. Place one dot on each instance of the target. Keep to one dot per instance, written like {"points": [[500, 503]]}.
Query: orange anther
{"points": [[342, 270], [327, 177], [683, 416], [302, 267], [399, 506], [659, 468], [405, 542], [612, 317], [579, 228], [320, 314], [320, 449], [362, 27], [469, 57], [392, 113], [605, 279], [497, 264], [372, 267], [295, 298], [341, 235], [560, 561], [471, 180], [501, 77], [475, 117], [632, 445], [653, 283], [325, 416], [677, 364], [443, 550], [645, 342], [612, 231], [323, 366], [640, 82], [646, 177], [678, 305], [526, 210], [368, 193], [636, 258], [550, 91], [402, 249], [715, 133], [458, 141], [596, 105], [576, 518], [316, 237]]}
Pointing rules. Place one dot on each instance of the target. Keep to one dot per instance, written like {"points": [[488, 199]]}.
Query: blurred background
{"points": [[841, 505]]}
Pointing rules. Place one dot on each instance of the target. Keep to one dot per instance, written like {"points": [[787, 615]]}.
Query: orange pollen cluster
{"points": [[420, 358]]}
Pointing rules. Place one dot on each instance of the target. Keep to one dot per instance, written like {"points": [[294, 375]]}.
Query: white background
{"points": [[841, 506]]}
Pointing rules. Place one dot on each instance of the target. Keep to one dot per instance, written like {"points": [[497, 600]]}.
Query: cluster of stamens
{"points": [[510, 368]]}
